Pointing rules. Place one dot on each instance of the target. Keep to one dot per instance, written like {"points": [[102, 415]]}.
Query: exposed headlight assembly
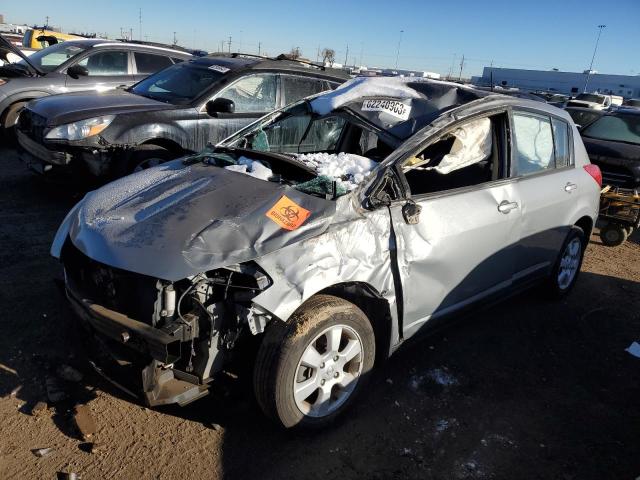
{"points": [[79, 130]]}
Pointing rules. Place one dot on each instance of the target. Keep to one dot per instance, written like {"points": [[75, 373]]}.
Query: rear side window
{"points": [[296, 88], [253, 94], [533, 149], [561, 141], [148, 63], [106, 63]]}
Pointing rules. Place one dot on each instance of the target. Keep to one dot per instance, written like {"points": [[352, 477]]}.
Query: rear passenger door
{"points": [[542, 164], [297, 87], [107, 69], [145, 64]]}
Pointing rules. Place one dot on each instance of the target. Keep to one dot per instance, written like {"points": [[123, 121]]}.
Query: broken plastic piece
{"points": [[634, 349], [42, 452]]}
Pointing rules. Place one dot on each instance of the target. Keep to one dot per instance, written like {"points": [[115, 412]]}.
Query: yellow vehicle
{"points": [[38, 38]]}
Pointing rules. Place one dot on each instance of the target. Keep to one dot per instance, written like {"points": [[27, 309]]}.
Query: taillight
{"points": [[595, 172]]}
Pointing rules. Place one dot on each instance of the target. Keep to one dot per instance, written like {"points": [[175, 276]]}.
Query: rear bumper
{"points": [[141, 344]]}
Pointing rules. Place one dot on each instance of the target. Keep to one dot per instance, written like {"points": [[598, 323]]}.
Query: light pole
{"points": [[595, 49], [398, 51]]}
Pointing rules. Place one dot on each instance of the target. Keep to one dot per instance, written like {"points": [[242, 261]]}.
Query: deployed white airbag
{"points": [[472, 145]]}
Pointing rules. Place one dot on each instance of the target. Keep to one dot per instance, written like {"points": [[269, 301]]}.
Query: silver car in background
{"points": [[334, 230]]}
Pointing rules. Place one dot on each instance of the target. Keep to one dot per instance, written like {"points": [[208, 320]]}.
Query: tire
{"points": [[566, 270], [279, 367], [613, 234], [147, 156], [10, 118]]}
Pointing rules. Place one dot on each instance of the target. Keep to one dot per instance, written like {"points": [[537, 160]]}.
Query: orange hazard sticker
{"points": [[287, 213]]}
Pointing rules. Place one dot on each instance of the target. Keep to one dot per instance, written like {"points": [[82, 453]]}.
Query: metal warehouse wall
{"points": [[562, 82]]}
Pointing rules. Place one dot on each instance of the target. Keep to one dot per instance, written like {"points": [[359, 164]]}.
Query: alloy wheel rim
{"points": [[328, 371], [569, 263]]}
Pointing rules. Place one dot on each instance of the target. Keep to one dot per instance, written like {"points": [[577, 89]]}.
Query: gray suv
{"points": [[330, 231], [77, 65]]}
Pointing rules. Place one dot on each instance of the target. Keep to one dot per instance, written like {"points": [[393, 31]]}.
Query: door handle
{"points": [[506, 206], [569, 187]]}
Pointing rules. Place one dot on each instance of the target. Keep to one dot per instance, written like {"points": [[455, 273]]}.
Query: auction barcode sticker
{"points": [[392, 107], [219, 68]]}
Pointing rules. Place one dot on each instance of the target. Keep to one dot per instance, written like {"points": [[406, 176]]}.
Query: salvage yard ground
{"points": [[527, 389]]}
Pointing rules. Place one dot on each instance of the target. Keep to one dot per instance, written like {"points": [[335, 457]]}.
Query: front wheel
{"points": [[309, 370], [148, 156], [567, 267]]}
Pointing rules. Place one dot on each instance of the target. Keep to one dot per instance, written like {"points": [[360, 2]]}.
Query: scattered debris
{"points": [[84, 421], [55, 391], [68, 476], [406, 452], [15, 391], [216, 427], [42, 452], [634, 349], [389, 381], [39, 408], [438, 376], [68, 373]]}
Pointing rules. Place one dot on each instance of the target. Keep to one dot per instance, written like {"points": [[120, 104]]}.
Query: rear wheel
{"points": [[614, 234], [567, 267], [309, 370]]}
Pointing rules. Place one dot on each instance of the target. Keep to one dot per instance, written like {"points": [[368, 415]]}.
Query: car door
{"points": [[547, 183], [254, 95], [462, 246], [107, 69]]}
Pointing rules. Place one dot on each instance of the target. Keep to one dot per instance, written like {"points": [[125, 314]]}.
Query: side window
{"points": [[468, 155], [253, 94], [561, 141], [296, 88], [533, 143], [148, 63], [106, 63]]}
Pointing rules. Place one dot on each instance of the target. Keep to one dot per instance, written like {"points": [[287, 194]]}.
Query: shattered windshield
{"points": [[335, 150], [179, 84], [48, 59], [296, 130]]}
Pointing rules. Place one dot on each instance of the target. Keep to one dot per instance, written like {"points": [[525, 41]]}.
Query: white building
{"points": [[627, 86]]}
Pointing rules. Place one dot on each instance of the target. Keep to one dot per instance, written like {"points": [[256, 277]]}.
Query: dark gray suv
{"points": [[78, 65]]}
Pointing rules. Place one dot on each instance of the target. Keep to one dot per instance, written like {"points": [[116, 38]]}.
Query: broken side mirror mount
{"points": [[220, 105], [411, 212], [77, 71]]}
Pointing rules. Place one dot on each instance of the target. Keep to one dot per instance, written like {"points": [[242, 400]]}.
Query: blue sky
{"points": [[538, 34]]}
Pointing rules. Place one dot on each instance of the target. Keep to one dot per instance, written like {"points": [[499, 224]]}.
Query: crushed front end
{"points": [[177, 335]]}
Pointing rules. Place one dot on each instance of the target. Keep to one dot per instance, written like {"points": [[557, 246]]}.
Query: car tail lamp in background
{"points": [[595, 172]]}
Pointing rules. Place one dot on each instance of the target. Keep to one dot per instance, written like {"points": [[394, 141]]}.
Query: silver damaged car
{"points": [[326, 234]]}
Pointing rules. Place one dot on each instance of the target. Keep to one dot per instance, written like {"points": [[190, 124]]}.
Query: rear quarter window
{"points": [[148, 63]]}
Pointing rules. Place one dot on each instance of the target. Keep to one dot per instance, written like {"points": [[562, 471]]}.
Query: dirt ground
{"points": [[527, 389]]}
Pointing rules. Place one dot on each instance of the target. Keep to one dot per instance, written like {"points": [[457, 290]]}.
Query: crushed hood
{"points": [[174, 221], [61, 109]]}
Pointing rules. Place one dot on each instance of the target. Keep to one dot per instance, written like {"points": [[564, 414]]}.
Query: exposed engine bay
{"points": [[184, 332]]}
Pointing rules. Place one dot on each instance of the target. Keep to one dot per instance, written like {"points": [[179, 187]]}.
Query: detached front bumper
{"points": [[39, 158], [161, 384], [69, 160]]}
